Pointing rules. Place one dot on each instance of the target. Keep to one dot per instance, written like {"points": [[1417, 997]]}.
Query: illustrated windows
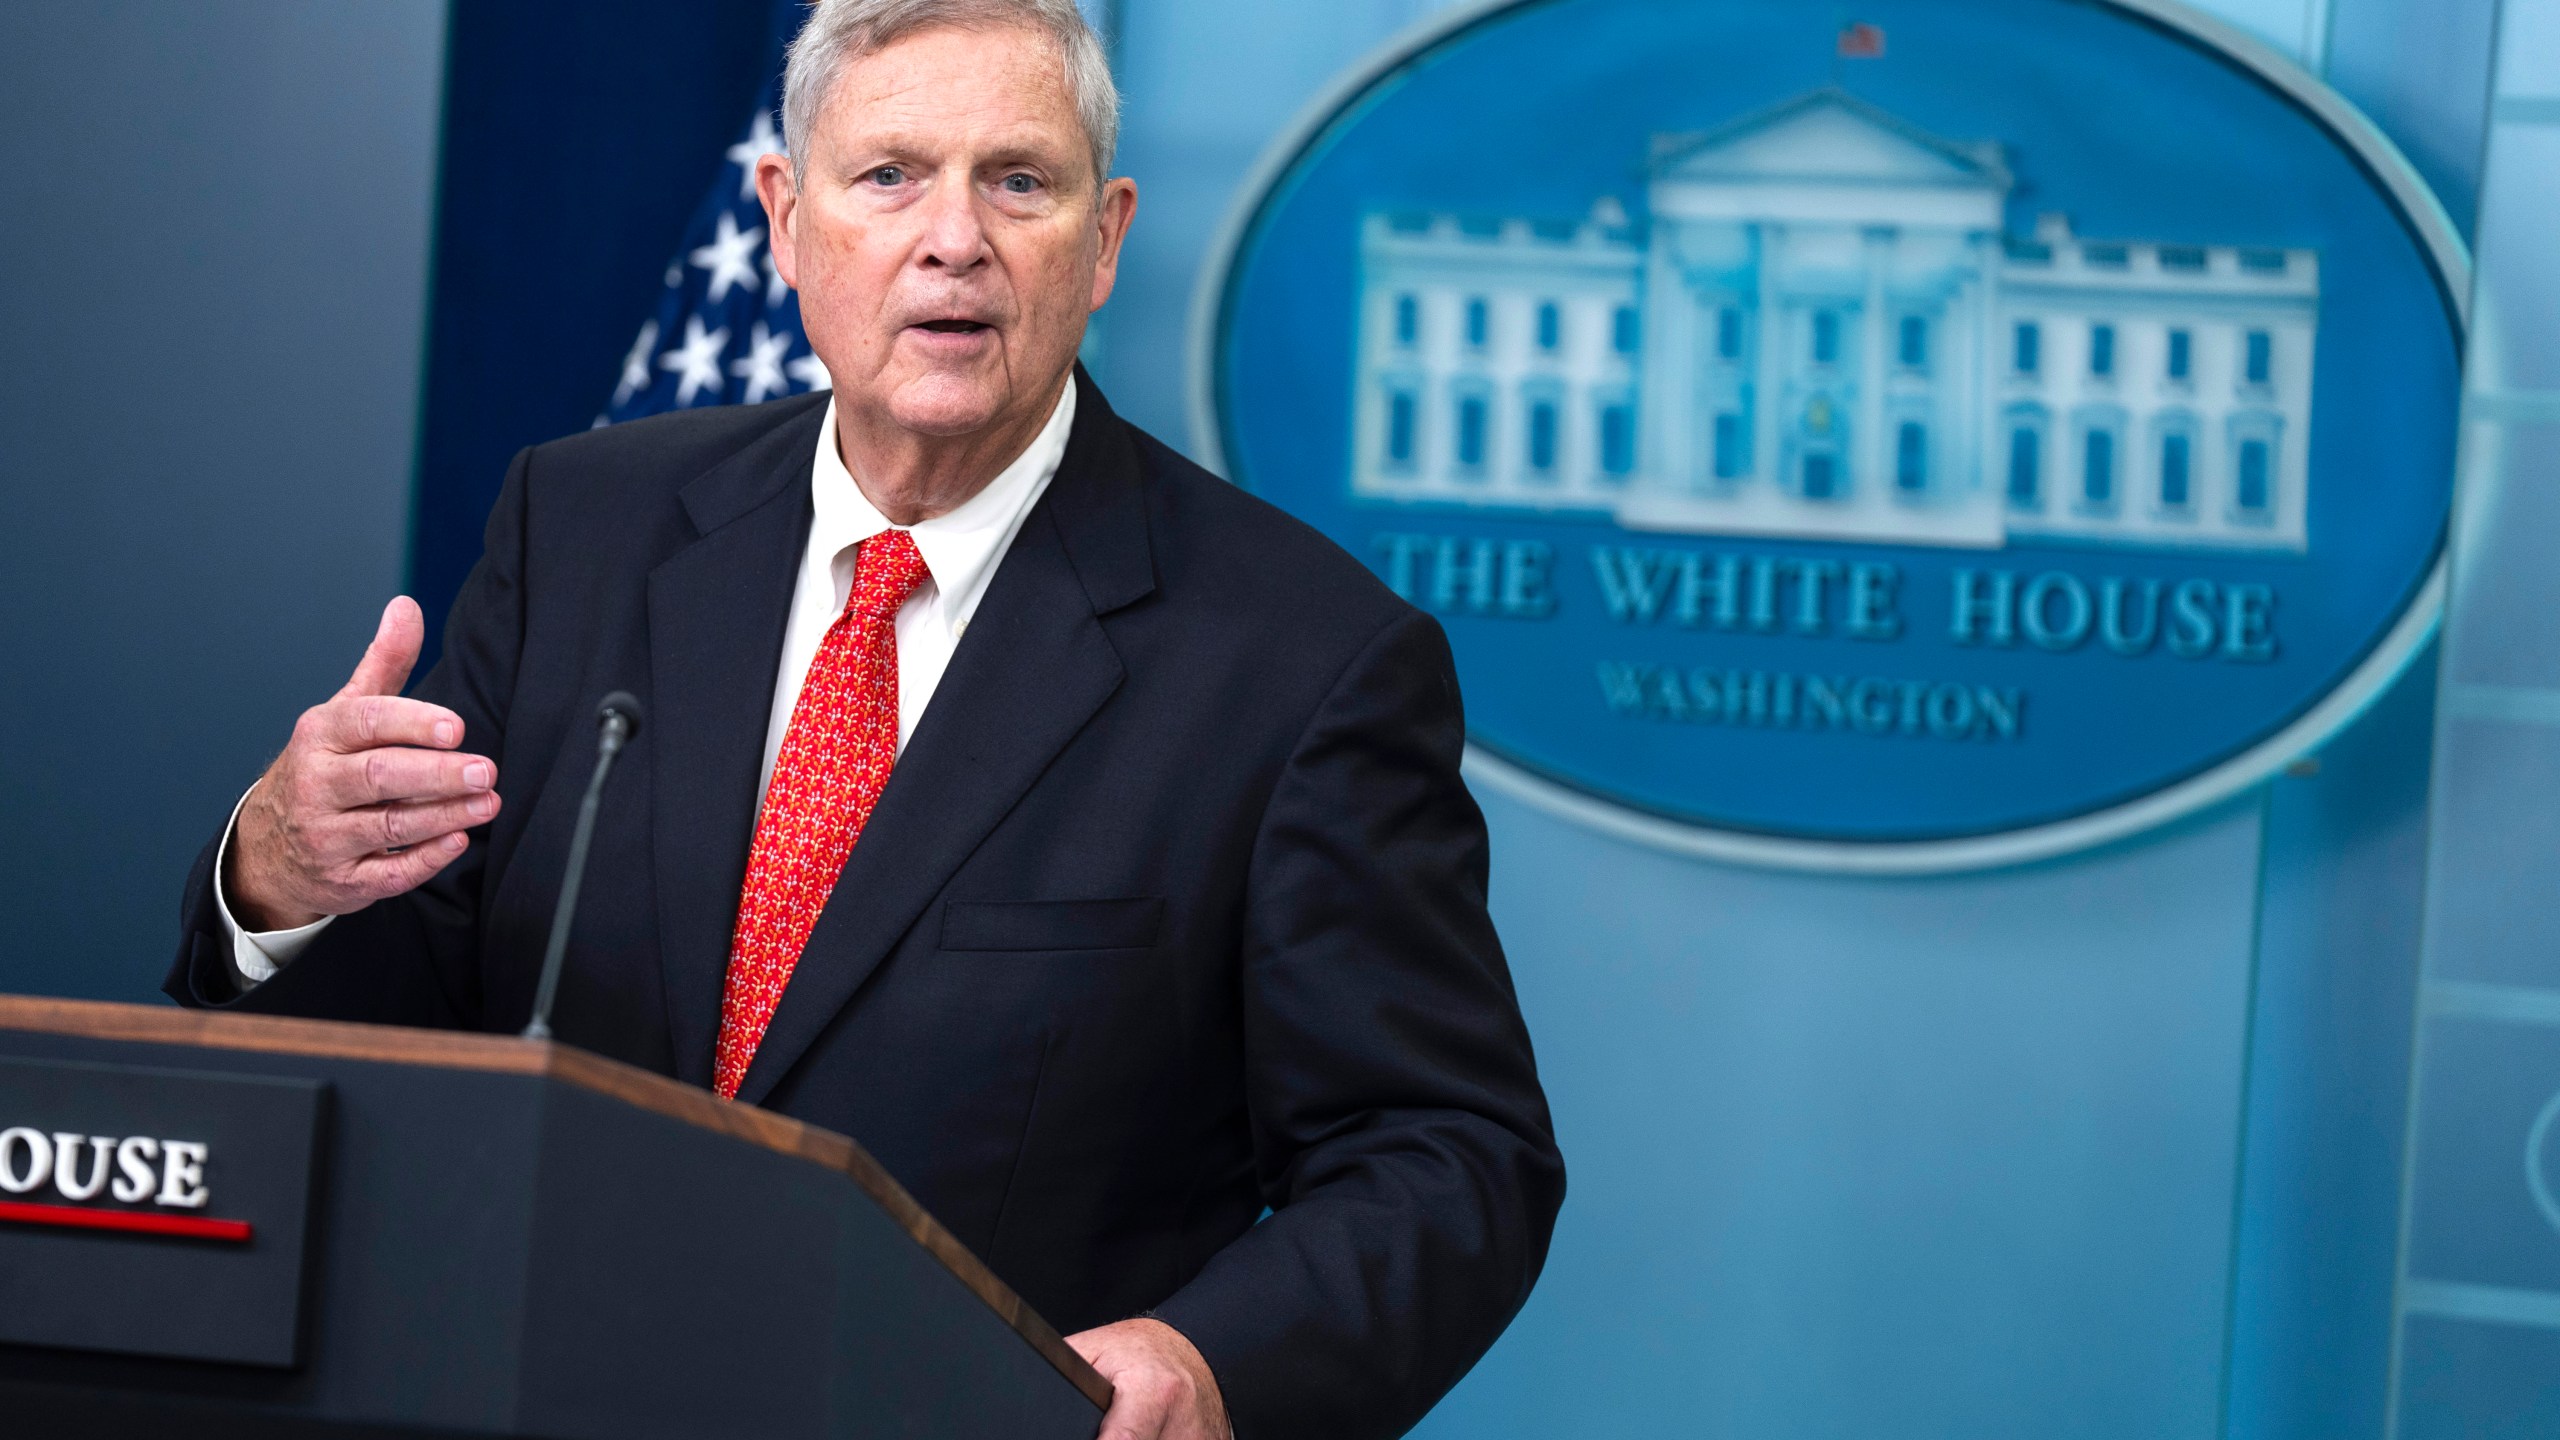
{"points": [[1479, 322], [1913, 349], [2181, 354], [2254, 434], [1617, 440], [1821, 474], [1622, 330], [2102, 350], [1408, 320], [1728, 333], [1550, 327], [1728, 445], [1542, 436], [1911, 456], [1402, 418], [2026, 347], [2177, 465], [1471, 433], [2098, 469], [2258, 357], [2026, 463], [2250, 495], [1826, 337]]}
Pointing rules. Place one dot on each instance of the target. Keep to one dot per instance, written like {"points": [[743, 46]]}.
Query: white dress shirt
{"points": [[960, 550]]}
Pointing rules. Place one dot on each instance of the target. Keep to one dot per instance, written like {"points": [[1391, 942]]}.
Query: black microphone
{"points": [[617, 720]]}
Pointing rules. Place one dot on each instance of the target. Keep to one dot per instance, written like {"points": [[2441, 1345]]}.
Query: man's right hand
{"points": [[369, 800]]}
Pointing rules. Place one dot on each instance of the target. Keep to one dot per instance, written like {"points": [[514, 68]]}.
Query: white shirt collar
{"points": [[961, 547]]}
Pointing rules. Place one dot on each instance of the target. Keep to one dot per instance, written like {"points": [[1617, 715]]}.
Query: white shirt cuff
{"points": [[256, 955]]}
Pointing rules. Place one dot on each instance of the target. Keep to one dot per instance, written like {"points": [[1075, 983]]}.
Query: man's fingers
{"points": [[380, 877], [394, 773], [394, 652], [1160, 1387], [361, 722], [404, 826]]}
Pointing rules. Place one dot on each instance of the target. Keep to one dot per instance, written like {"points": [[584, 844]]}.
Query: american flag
{"points": [[727, 328]]}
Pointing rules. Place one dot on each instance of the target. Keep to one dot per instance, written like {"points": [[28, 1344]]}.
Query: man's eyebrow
{"points": [[1031, 143]]}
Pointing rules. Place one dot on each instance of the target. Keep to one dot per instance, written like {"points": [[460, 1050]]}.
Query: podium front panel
{"points": [[509, 1238]]}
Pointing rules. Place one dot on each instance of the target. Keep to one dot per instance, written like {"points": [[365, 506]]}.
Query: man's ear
{"points": [[1119, 206], [781, 206]]}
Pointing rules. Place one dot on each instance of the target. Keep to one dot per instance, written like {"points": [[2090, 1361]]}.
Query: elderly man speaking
{"points": [[1079, 833]]}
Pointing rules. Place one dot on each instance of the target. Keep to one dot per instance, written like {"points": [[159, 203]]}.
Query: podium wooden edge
{"points": [[456, 1050]]}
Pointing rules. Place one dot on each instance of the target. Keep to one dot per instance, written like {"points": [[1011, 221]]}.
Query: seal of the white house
{"points": [[1964, 435]]}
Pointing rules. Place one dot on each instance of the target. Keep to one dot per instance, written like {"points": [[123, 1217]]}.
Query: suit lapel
{"points": [[717, 609], [1034, 668]]}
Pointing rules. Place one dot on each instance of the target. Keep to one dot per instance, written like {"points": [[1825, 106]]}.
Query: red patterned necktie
{"points": [[835, 757]]}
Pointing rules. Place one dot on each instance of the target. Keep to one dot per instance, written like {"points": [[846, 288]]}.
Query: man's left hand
{"points": [[1161, 1388]]}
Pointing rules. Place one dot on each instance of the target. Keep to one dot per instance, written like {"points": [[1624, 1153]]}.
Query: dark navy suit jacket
{"points": [[1172, 912]]}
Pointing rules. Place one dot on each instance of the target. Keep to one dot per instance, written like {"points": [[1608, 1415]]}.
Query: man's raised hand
{"points": [[369, 799]]}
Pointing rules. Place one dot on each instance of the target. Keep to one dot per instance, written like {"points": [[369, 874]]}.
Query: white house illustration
{"points": [[1822, 330]]}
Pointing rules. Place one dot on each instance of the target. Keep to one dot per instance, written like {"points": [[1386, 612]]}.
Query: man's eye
{"points": [[887, 175], [1020, 184]]}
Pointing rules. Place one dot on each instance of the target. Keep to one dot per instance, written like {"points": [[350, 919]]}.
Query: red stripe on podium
{"points": [[138, 1222]]}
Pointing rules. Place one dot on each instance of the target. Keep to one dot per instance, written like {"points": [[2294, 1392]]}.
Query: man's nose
{"points": [[955, 233]]}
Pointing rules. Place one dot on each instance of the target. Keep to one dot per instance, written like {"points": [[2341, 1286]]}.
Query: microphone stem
{"points": [[607, 747]]}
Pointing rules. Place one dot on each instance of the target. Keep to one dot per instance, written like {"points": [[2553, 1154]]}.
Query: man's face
{"points": [[948, 240]]}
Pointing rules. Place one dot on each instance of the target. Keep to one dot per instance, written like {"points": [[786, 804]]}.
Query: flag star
{"points": [[635, 366], [726, 257], [811, 371], [760, 142], [761, 366], [675, 275], [698, 361], [775, 287]]}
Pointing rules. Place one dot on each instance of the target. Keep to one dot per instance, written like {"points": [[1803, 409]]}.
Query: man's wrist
{"points": [[258, 948], [1213, 1398], [249, 910]]}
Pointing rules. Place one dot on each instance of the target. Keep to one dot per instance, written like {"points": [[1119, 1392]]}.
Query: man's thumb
{"points": [[394, 652]]}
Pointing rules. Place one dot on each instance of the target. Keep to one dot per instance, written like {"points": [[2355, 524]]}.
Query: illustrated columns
{"points": [[1766, 328], [1877, 253]]}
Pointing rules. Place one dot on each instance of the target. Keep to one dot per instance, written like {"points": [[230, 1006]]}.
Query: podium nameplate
{"points": [[155, 1212]]}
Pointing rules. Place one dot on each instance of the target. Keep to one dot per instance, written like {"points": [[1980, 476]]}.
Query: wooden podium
{"points": [[372, 1231]]}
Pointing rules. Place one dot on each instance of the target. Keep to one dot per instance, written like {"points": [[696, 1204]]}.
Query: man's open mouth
{"points": [[952, 327]]}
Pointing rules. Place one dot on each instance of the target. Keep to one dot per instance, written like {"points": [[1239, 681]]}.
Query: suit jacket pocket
{"points": [[1052, 924]]}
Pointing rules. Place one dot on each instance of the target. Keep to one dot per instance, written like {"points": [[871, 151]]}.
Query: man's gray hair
{"points": [[839, 32]]}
